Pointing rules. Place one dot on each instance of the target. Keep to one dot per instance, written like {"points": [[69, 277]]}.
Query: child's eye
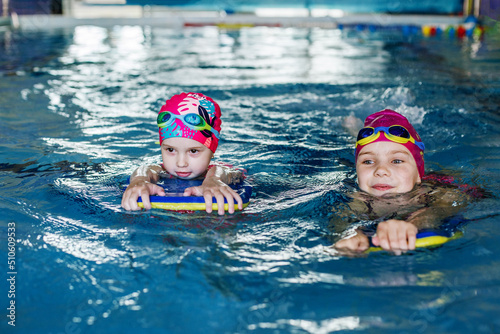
{"points": [[367, 162], [193, 151], [397, 161], [169, 149]]}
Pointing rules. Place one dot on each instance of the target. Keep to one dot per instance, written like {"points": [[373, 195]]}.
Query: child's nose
{"points": [[382, 170], [181, 160]]}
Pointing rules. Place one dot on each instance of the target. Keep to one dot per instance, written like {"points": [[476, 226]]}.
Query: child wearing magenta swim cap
{"points": [[189, 127], [389, 158]]}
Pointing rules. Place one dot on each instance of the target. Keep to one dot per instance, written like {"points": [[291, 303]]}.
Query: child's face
{"points": [[385, 167], [185, 158]]}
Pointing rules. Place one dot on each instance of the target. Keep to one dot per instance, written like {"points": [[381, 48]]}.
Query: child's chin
{"points": [[189, 177], [379, 193], [185, 177]]}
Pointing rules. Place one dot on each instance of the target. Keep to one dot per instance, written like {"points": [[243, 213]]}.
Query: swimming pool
{"points": [[78, 109]]}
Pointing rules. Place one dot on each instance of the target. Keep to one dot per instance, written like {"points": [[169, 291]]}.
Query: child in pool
{"points": [[390, 168], [189, 126]]}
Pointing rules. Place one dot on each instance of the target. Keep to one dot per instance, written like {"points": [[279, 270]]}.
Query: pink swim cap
{"points": [[192, 103], [387, 118]]}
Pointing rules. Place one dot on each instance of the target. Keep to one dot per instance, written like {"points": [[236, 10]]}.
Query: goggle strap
{"points": [[215, 132]]}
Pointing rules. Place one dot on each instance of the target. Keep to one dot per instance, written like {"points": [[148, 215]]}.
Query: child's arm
{"points": [[142, 183], [447, 203], [392, 235], [395, 235], [355, 243], [216, 185]]}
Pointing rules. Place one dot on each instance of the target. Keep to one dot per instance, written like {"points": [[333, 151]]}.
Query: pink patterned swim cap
{"points": [[387, 118], [192, 103]]}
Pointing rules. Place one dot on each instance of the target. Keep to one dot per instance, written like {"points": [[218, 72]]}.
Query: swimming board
{"points": [[175, 200], [434, 237], [429, 238]]}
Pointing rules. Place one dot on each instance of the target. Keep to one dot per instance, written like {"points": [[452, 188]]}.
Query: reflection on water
{"points": [[78, 116]]}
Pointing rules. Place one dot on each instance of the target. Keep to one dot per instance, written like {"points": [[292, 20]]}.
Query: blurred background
{"points": [[138, 8]]}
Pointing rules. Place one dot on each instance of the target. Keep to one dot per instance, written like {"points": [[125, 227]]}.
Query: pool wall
{"points": [[78, 116], [490, 8]]}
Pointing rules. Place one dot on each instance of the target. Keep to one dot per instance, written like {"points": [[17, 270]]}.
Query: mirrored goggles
{"points": [[193, 121], [395, 133]]}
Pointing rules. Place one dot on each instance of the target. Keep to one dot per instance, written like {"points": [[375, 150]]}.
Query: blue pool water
{"points": [[77, 116]]}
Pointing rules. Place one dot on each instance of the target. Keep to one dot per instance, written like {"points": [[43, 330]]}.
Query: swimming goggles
{"points": [[395, 133], [193, 121]]}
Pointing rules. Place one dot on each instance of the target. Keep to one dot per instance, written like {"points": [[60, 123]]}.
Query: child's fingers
{"points": [[232, 198], [220, 193], [132, 194], [188, 192], [225, 193], [395, 235], [124, 202], [208, 201], [364, 244], [394, 239], [193, 191], [220, 203], [156, 190], [406, 237], [237, 198], [383, 240], [412, 238], [401, 242], [131, 204], [129, 201], [207, 195], [356, 243], [145, 199], [361, 244], [229, 199], [229, 195]]}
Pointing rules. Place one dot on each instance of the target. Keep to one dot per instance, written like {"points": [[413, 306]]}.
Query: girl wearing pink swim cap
{"points": [[389, 154], [189, 127], [389, 158]]}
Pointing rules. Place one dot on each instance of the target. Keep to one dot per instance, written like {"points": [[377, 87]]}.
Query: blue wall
{"points": [[490, 8], [29, 7], [356, 6]]}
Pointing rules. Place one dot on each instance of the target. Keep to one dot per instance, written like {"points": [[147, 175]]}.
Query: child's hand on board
{"points": [[214, 187], [357, 243], [395, 235], [143, 189]]}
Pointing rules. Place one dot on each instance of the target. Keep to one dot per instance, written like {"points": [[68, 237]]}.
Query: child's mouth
{"points": [[382, 187], [183, 174]]}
